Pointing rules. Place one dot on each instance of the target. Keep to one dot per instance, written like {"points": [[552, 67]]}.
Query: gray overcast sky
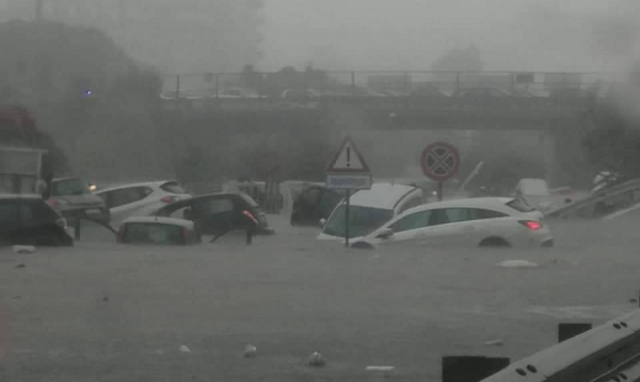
{"points": [[564, 35]]}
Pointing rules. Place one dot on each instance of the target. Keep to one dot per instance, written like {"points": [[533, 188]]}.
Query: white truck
{"points": [[21, 170]]}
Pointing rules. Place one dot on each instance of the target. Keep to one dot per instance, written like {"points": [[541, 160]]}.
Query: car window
{"points": [[153, 233], [481, 213], [125, 196], [363, 220], [455, 215], [328, 201], [310, 196], [413, 221], [414, 202], [212, 206], [8, 213], [145, 191], [173, 187], [249, 200], [26, 213], [73, 186], [520, 205]]}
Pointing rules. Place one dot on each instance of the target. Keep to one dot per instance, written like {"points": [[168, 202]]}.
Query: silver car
{"points": [[72, 198]]}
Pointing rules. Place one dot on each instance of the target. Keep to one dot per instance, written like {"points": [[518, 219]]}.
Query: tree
{"points": [[613, 144], [460, 60], [95, 101]]}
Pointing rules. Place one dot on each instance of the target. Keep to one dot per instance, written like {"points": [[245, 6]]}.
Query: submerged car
{"points": [[313, 204], [140, 199], [158, 231], [483, 222], [28, 220], [219, 213], [72, 198], [370, 209]]}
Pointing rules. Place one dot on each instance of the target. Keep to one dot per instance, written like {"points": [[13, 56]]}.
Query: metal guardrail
{"points": [[615, 197], [610, 352], [376, 83]]}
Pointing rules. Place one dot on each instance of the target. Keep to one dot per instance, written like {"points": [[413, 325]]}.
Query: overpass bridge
{"points": [[388, 100], [315, 106]]}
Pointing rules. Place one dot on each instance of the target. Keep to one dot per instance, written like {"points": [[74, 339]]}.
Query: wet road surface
{"points": [[104, 312]]}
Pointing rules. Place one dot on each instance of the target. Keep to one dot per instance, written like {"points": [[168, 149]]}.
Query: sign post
{"points": [[348, 171], [440, 161]]}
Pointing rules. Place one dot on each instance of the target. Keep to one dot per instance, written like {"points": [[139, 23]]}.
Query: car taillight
{"points": [[531, 224], [53, 203], [186, 235], [250, 216], [169, 199]]}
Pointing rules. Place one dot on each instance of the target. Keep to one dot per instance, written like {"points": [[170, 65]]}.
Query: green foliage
{"points": [[86, 93]]}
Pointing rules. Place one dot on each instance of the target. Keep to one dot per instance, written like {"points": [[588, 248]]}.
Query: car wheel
{"points": [[494, 242]]}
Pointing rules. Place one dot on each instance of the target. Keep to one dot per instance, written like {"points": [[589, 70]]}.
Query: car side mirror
{"points": [[385, 233], [322, 222]]}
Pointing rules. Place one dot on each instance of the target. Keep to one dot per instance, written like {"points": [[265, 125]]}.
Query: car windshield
{"points": [[153, 233], [362, 221], [174, 188], [75, 186]]}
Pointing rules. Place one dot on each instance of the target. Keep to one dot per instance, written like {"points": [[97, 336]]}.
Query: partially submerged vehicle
{"points": [[370, 209], [476, 222]]}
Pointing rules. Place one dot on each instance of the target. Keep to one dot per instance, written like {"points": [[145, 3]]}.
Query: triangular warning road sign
{"points": [[348, 160]]}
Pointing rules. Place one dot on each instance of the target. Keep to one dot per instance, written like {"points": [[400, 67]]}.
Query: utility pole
{"points": [[39, 10]]}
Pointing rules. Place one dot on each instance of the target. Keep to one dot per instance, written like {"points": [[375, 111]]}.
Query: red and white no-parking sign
{"points": [[440, 161]]}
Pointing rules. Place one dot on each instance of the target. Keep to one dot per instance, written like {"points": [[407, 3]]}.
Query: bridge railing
{"points": [[316, 83]]}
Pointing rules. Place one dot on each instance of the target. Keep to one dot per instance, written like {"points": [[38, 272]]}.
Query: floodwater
{"points": [[105, 312]]}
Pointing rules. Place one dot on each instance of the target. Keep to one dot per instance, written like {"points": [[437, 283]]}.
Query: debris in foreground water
{"points": [[184, 349], [24, 249], [317, 360], [250, 351], [517, 264]]}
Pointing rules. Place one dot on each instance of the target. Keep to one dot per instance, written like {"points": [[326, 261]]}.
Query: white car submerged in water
{"points": [[483, 222], [370, 209]]}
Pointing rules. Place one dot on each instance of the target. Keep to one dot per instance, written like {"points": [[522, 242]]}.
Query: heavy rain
{"points": [[297, 190]]}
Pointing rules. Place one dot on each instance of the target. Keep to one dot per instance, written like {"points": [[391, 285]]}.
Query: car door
{"points": [[418, 228], [124, 202], [329, 199], [436, 227], [459, 226], [214, 214], [9, 221], [305, 208], [490, 223]]}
